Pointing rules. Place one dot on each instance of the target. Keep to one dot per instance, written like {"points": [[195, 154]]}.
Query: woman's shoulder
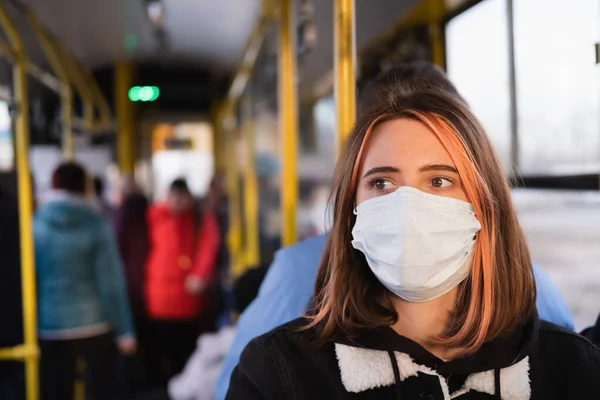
{"points": [[283, 361], [563, 351], [293, 334], [553, 337]]}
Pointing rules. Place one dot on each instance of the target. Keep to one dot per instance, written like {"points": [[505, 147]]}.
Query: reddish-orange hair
{"points": [[500, 291]]}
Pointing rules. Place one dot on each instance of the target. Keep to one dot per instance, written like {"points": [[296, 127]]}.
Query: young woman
{"points": [[425, 289]]}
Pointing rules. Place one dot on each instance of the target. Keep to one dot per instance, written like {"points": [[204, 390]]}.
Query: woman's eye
{"points": [[380, 184], [440, 182]]}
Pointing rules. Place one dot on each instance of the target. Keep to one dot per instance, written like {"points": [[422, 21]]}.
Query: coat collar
{"points": [[62, 196], [364, 369], [499, 353]]}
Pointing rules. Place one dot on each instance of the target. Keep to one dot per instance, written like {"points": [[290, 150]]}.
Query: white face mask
{"points": [[417, 244]]}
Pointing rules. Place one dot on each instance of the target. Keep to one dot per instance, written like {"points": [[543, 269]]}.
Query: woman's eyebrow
{"points": [[377, 170], [438, 167]]}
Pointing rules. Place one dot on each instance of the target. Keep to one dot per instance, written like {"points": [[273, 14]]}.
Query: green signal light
{"points": [[134, 93], [144, 93], [155, 93]]}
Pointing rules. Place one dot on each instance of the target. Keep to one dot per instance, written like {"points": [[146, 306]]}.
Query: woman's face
{"points": [[404, 152]]}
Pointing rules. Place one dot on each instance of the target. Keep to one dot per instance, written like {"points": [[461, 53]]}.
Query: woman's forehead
{"points": [[404, 143]]}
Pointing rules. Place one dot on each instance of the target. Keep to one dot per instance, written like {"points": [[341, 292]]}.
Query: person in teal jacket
{"points": [[83, 309]]}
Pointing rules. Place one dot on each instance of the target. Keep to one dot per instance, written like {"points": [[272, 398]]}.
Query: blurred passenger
{"points": [[592, 333], [82, 297], [218, 204], [179, 270], [98, 199], [289, 285], [312, 211], [11, 311], [426, 287], [197, 380], [304, 217], [131, 227]]}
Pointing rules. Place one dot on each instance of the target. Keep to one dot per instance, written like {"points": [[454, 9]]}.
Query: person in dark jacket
{"points": [[426, 288], [593, 332], [98, 199], [131, 228], [82, 298]]}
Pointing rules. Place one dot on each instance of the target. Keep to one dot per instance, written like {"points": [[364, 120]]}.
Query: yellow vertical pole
{"points": [[80, 81], [218, 114], [435, 12], [79, 385], [25, 207], [96, 92], [288, 116], [252, 251], [124, 115], [66, 105], [88, 114], [25, 218], [233, 188], [344, 69]]}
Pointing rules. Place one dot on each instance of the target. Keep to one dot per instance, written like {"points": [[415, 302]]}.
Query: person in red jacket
{"points": [[183, 248]]}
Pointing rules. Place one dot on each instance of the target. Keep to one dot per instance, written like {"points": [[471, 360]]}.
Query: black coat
{"points": [[539, 361]]}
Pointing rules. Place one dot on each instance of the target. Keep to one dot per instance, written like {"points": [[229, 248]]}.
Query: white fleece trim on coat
{"points": [[514, 382], [364, 369]]}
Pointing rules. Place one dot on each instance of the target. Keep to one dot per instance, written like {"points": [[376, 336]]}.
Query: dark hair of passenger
{"points": [[70, 177], [98, 186], [415, 75], [500, 290], [180, 185]]}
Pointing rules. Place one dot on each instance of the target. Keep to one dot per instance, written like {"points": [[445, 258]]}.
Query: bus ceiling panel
{"points": [[373, 19], [200, 32], [98, 32], [209, 31], [32, 47]]}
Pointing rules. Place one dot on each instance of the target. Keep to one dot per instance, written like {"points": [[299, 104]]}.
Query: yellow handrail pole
{"points": [[80, 83], [79, 385], [344, 69], [252, 253], [125, 117], [234, 236], [288, 119], [99, 98], [435, 13], [25, 206], [66, 110], [217, 114], [44, 77], [66, 95], [19, 353], [251, 52]]}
